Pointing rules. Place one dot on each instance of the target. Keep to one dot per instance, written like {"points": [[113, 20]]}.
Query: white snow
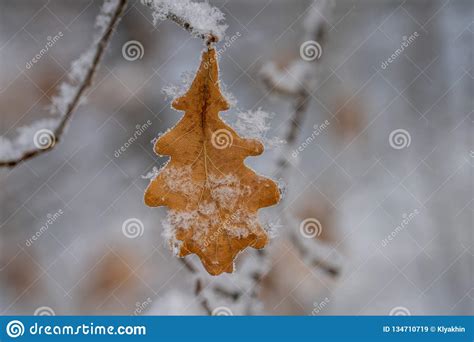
{"points": [[79, 68], [202, 18], [288, 80], [24, 141], [172, 91], [255, 124]]}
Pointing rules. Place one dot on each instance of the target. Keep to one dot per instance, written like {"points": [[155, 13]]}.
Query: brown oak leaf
{"points": [[212, 197]]}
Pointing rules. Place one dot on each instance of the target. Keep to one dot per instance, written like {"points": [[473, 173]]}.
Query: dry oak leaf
{"points": [[213, 198]]}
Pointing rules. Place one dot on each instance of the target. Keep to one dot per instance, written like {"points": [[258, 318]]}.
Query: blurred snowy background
{"points": [[399, 217]]}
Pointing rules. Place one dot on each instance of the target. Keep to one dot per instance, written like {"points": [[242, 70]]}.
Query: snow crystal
{"points": [[175, 91], [202, 18], [225, 190], [207, 208], [152, 174], [181, 219], [179, 180], [238, 232], [255, 125]]}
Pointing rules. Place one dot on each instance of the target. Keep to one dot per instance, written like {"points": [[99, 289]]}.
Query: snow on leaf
{"points": [[213, 198]]}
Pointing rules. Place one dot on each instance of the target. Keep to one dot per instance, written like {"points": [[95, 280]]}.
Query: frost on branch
{"points": [[70, 93], [25, 139], [294, 82], [299, 75], [286, 81], [80, 68], [199, 18], [213, 198]]}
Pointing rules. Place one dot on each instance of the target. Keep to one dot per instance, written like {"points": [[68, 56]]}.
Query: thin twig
{"points": [[101, 47], [300, 98], [208, 38]]}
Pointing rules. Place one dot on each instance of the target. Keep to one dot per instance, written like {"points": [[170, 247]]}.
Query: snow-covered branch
{"points": [[294, 83], [43, 135], [198, 18]]}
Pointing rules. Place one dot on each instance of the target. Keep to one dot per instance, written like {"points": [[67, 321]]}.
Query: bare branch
{"points": [[111, 17]]}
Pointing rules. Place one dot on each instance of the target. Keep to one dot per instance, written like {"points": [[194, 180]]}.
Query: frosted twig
{"points": [[71, 92], [293, 83], [199, 18]]}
